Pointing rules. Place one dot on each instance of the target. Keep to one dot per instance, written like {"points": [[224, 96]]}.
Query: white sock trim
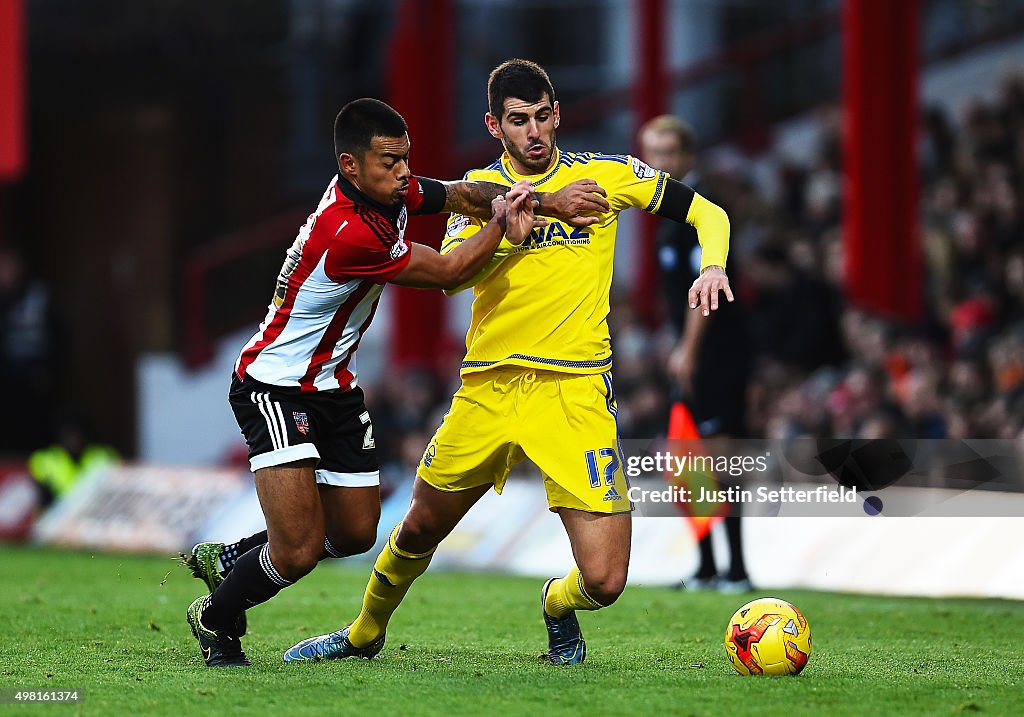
{"points": [[268, 567]]}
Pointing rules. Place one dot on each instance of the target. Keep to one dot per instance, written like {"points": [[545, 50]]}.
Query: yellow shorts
{"points": [[565, 423]]}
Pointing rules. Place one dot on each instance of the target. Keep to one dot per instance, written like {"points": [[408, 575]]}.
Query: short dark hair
{"points": [[360, 121], [522, 79]]}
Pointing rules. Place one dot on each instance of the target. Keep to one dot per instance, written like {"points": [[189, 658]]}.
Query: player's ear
{"points": [[493, 126], [555, 108], [348, 164]]}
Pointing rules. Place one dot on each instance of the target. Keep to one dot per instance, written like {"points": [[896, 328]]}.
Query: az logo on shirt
{"points": [[556, 231]]}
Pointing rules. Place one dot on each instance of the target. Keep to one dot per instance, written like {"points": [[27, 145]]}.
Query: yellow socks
{"points": [[567, 594], [393, 574]]}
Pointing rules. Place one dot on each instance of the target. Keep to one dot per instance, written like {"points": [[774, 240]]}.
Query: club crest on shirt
{"points": [[457, 224], [402, 222], [641, 170], [301, 422]]}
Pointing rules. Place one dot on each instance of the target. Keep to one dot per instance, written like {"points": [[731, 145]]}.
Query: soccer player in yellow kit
{"points": [[536, 379]]}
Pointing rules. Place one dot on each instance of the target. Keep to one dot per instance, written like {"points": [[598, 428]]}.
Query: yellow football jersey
{"points": [[545, 304]]}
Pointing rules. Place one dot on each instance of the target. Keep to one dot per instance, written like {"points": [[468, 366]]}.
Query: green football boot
{"points": [[220, 648], [202, 563]]}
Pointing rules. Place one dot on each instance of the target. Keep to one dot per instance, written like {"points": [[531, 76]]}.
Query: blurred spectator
{"points": [[401, 406], [57, 468], [28, 357], [794, 314], [641, 384]]}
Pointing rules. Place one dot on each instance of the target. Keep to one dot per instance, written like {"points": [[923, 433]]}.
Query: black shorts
{"points": [[283, 424]]}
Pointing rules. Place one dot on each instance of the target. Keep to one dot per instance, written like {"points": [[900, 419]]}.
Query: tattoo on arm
{"points": [[471, 198]]}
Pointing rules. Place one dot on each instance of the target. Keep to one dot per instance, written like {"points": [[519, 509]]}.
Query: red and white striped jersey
{"points": [[329, 286]]}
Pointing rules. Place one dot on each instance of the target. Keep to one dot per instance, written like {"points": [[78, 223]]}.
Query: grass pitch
{"points": [[467, 644]]}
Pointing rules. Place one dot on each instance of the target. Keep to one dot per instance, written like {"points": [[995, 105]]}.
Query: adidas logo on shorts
{"points": [[612, 494]]}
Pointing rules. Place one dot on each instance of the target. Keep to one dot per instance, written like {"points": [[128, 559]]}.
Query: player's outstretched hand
{"points": [[577, 204], [706, 287], [519, 217]]}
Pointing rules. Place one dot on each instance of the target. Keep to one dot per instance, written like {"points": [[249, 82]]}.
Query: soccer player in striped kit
{"points": [[294, 390]]}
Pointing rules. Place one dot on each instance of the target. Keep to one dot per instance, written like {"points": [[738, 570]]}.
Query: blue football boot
{"points": [[566, 645], [333, 646]]}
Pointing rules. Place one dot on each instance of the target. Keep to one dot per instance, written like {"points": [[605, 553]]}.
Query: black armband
{"points": [[434, 196], [675, 204]]}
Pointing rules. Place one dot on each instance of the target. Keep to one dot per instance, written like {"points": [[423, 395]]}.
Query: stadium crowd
{"points": [[823, 367]]}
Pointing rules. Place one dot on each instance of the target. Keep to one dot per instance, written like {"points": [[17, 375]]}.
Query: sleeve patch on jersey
{"points": [[641, 170], [398, 249], [456, 224]]}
